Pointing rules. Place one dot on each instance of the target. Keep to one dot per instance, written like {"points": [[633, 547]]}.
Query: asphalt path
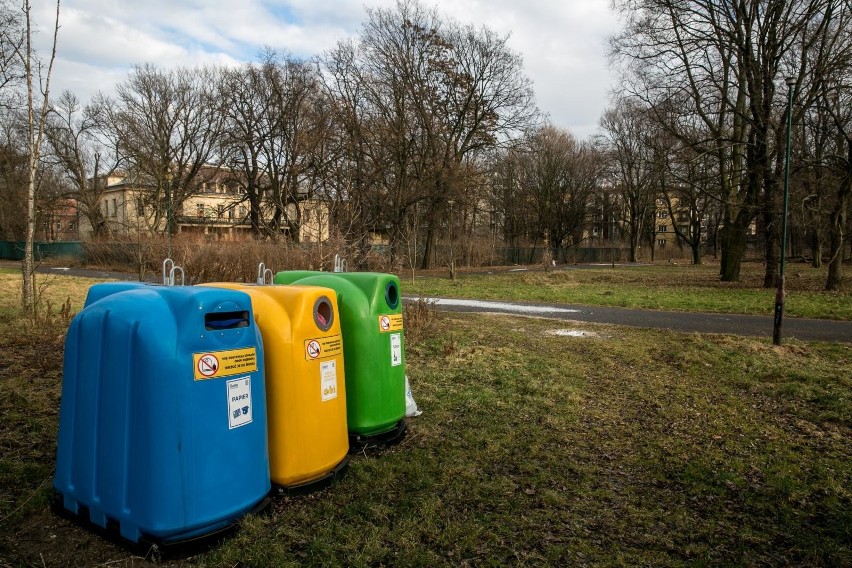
{"points": [[686, 322]]}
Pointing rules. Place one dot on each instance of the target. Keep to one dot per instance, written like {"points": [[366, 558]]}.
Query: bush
{"points": [[213, 261]]}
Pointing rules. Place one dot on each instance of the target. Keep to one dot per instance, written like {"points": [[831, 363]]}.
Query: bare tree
{"points": [[36, 120], [560, 175], [12, 44], [297, 151], [420, 95], [720, 62], [13, 183], [167, 126], [248, 105], [836, 101], [71, 133], [633, 170]]}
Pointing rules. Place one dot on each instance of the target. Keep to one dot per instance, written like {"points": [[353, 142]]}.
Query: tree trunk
{"points": [[428, 246], [28, 286], [733, 249], [838, 224], [816, 249], [835, 266]]}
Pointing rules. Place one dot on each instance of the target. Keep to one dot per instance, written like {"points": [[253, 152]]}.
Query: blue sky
{"points": [[563, 43]]}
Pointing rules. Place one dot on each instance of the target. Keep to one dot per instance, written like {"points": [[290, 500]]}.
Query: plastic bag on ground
{"points": [[410, 405]]}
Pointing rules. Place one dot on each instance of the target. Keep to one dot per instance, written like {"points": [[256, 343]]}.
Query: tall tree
{"points": [[36, 119], [71, 133], [431, 94], [168, 125], [633, 169], [248, 107], [296, 153], [12, 44], [721, 61], [560, 175]]}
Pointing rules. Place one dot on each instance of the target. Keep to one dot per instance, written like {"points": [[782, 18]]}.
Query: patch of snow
{"points": [[501, 306], [570, 333]]}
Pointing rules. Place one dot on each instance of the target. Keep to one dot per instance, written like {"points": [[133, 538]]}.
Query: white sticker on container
{"points": [[396, 349], [328, 379], [239, 402]]}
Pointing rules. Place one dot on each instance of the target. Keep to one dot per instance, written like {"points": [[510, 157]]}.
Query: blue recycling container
{"points": [[162, 426], [104, 289]]}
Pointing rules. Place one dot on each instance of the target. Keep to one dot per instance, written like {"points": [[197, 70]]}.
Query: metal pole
{"points": [[169, 213], [780, 295]]}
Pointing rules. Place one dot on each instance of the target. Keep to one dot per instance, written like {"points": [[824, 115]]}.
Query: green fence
{"points": [[14, 250]]}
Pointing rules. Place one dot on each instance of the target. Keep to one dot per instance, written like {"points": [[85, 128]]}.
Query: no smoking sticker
{"points": [[313, 349], [390, 322], [207, 365], [323, 347], [224, 363]]}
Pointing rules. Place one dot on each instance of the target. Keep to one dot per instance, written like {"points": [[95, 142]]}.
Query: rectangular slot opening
{"points": [[226, 320]]}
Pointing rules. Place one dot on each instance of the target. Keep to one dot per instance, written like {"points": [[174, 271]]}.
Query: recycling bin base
{"points": [[149, 547], [315, 484], [393, 436]]}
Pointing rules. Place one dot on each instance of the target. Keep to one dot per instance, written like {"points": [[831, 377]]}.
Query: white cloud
{"points": [[563, 44]]}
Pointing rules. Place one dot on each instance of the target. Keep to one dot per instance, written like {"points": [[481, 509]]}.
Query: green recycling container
{"points": [[370, 307]]}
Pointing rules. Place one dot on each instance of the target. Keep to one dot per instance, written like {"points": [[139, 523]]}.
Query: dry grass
{"points": [[623, 447]]}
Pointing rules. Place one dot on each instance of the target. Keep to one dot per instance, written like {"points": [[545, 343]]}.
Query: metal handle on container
{"points": [[262, 271], [167, 272], [174, 270]]}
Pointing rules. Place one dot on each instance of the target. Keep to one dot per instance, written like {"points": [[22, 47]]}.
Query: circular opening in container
{"points": [[392, 295], [323, 313]]}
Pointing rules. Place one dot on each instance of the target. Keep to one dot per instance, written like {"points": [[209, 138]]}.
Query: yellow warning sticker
{"points": [[323, 347], [224, 363], [390, 322]]}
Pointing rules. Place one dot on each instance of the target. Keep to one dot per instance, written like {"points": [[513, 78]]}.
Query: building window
{"points": [[199, 210], [59, 225], [662, 228], [243, 211], [662, 215], [220, 211], [661, 243], [140, 207], [72, 226], [114, 208]]}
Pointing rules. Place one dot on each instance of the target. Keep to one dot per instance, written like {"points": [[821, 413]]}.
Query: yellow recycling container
{"points": [[305, 383]]}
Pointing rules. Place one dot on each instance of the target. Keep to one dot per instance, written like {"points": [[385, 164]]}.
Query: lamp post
{"points": [[781, 293]]}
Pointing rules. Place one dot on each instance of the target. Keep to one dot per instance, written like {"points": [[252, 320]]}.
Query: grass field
{"points": [[614, 447], [657, 287]]}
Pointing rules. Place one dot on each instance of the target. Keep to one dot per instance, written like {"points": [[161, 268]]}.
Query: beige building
{"points": [[218, 210]]}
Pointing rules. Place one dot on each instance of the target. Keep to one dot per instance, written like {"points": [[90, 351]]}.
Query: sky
{"points": [[563, 42]]}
